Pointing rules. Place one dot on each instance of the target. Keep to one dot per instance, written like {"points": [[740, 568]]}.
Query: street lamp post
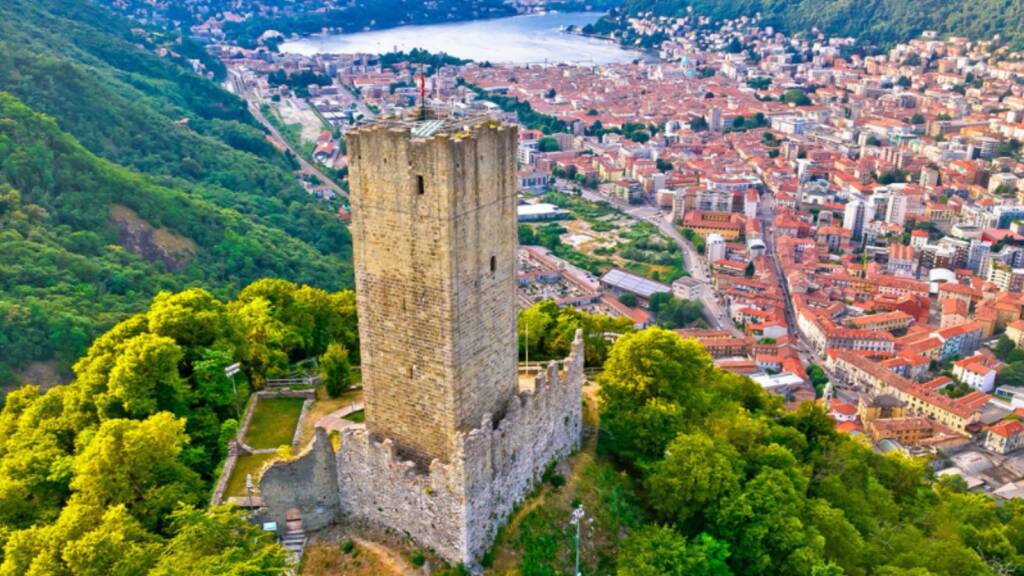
{"points": [[230, 372], [248, 488], [577, 516]]}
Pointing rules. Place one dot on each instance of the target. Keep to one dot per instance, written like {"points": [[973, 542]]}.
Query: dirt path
{"points": [[398, 565]]}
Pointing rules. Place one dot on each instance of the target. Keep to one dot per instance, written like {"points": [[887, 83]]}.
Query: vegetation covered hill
{"points": [[105, 475], [308, 16], [700, 472], [122, 174], [879, 22]]}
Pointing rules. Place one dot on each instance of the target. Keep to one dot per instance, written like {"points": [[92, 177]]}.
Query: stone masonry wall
{"points": [[434, 246], [503, 464], [308, 483], [456, 508]]}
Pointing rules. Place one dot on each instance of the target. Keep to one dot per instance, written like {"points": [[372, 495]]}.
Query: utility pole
{"points": [[577, 517]]}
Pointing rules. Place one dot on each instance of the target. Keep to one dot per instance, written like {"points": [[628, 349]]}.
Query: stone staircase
{"points": [[294, 541]]}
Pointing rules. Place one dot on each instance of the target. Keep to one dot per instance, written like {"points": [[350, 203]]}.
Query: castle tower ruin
{"points": [[434, 237], [451, 444]]}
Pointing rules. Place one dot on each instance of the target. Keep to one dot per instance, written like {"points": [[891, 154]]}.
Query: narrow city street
{"points": [[766, 214]]}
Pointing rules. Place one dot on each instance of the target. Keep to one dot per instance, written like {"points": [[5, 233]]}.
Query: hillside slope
{"points": [[132, 175], [879, 22]]}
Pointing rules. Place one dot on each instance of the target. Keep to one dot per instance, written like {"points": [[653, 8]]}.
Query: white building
{"points": [[714, 247], [896, 209], [858, 214], [975, 373], [750, 202]]}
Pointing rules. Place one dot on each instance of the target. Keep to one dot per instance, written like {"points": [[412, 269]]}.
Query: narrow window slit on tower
{"points": [[494, 264], [420, 186]]}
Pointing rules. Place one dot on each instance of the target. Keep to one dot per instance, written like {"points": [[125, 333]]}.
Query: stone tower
{"points": [[434, 236], [451, 442]]}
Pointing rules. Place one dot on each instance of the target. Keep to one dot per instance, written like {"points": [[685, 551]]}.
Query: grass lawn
{"points": [[273, 424], [359, 416], [251, 464]]}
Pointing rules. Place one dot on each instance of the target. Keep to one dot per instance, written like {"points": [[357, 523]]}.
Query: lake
{"points": [[531, 38]]}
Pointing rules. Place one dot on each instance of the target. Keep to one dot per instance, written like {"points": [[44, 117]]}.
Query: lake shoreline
{"points": [[524, 39]]}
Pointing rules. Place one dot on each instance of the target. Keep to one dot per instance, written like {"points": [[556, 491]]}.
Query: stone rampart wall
{"points": [[455, 508]]}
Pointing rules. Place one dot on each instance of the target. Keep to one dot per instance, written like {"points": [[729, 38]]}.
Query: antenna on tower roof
{"points": [[423, 93]]}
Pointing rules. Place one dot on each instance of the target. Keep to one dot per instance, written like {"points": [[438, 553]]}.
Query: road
{"points": [[714, 313], [237, 85], [766, 214]]}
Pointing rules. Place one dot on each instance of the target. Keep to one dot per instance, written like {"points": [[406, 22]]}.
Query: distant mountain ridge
{"points": [[123, 174], [880, 22], [249, 19]]}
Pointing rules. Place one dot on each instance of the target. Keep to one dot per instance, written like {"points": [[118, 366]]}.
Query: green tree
{"points": [[695, 474], [548, 144], [764, 525], [335, 370], [749, 270], [796, 96], [653, 380], [759, 82], [1011, 375], [534, 323], [218, 541], [262, 348], [660, 551], [116, 545], [1003, 347], [136, 464], [145, 378], [818, 378], [214, 388]]}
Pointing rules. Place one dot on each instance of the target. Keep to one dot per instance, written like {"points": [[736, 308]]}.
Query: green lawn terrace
{"points": [[598, 237], [276, 423], [273, 423], [251, 465]]}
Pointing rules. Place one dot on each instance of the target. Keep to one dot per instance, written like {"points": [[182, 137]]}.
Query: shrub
{"points": [[418, 558]]}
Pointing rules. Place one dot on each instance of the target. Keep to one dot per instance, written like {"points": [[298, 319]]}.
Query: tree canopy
{"points": [[881, 23], [733, 484], [101, 476]]}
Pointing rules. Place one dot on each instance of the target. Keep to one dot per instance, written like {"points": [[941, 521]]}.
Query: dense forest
{"points": [[725, 482], [107, 475], [879, 22], [123, 174]]}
